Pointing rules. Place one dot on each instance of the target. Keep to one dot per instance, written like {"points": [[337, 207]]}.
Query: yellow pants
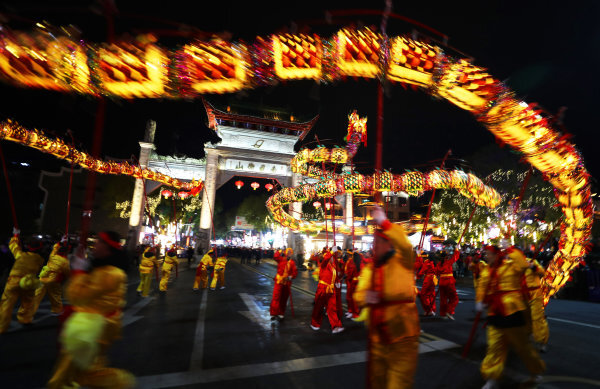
{"points": [[201, 281], [145, 282], [164, 280], [98, 375], [220, 277], [539, 325], [393, 366], [498, 342], [12, 292], [54, 290]]}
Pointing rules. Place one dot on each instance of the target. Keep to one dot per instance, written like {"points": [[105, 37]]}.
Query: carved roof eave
{"points": [[214, 114]]}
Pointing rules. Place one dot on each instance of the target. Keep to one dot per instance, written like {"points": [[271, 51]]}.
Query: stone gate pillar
{"points": [[208, 196], [137, 202], [348, 218], [295, 240]]}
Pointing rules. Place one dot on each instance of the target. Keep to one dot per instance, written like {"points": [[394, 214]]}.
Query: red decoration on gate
{"points": [[255, 185], [239, 184]]}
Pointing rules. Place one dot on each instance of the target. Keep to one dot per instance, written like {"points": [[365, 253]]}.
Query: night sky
{"points": [[544, 50]]}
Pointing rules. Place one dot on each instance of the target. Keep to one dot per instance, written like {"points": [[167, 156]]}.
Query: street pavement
{"points": [[225, 339]]}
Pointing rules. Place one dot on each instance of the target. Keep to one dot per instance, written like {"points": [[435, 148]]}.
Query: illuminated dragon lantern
{"points": [[53, 59], [331, 184]]}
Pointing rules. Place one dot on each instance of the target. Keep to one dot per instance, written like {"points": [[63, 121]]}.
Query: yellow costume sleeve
{"points": [[364, 284], [482, 284], [84, 288], [15, 247], [401, 243]]}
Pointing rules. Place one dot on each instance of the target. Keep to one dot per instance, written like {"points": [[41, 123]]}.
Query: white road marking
{"points": [[129, 314], [198, 348], [255, 313], [574, 322], [264, 369]]}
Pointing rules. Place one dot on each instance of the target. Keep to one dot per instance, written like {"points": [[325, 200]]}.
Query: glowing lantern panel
{"points": [[317, 204]]}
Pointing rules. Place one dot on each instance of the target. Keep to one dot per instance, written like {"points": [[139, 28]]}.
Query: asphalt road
{"points": [[225, 339]]}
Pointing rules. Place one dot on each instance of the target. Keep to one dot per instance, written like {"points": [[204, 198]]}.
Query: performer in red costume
{"points": [[286, 272], [447, 284], [427, 294], [351, 281], [325, 296], [339, 263]]}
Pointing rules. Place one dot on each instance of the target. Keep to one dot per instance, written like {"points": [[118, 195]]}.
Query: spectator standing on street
{"points": [[387, 288]]}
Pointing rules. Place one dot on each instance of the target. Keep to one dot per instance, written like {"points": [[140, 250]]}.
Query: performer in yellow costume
{"points": [[500, 288], [168, 264], [201, 279], [51, 277], [219, 275], [148, 265], [99, 292], [22, 281], [539, 325], [390, 296]]}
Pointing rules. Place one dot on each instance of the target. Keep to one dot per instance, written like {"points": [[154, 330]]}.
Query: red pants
{"points": [[427, 295], [279, 299], [338, 303], [325, 300], [352, 307], [448, 296]]}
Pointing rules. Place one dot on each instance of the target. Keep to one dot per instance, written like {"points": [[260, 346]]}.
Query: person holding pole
{"points": [[500, 290], [387, 288], [22, 281], [167, 267], [207, 261], [539, 326], [286, 272], [447, 284], [148, 265], [96, 290], [351, 274], [219, 272], [427, 294], [52, 276]]}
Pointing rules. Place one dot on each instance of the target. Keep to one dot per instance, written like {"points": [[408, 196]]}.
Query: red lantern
{"points": [[328, 205], [316, 204], [239, 184], [167, 193], [269, 187], [183, 195], [255, 185]]}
